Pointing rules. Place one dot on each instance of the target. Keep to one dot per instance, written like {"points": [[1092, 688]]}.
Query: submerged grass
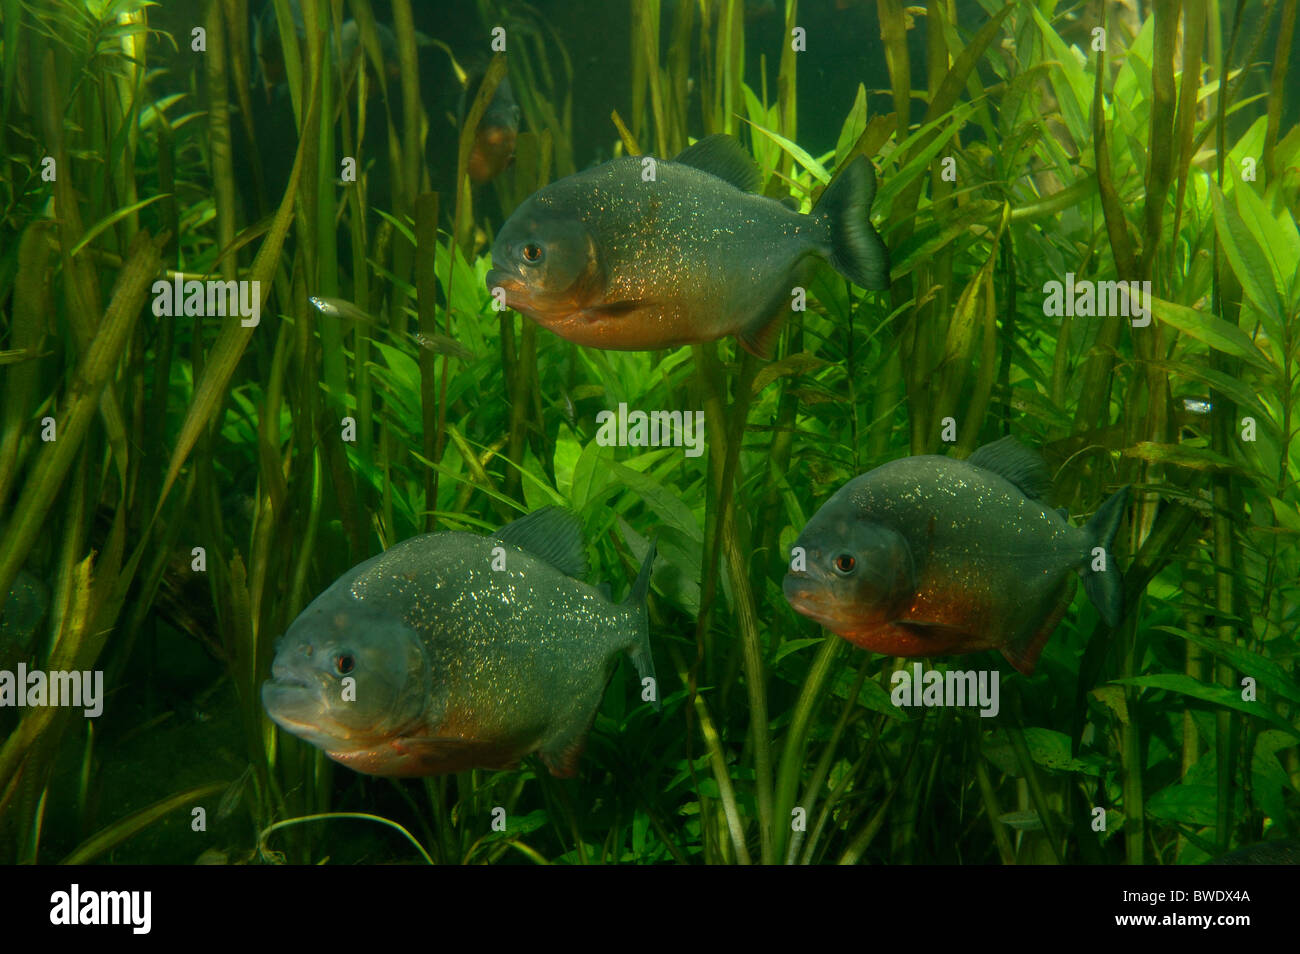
{"points": [[199, 492]]}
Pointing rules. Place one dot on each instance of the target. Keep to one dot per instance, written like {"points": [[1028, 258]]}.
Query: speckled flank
{"points": [[694, 254], [518, 658], [989, 562], [487, 631]]}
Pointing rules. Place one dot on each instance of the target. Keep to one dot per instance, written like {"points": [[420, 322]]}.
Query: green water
{"points": [[1011, 153]]}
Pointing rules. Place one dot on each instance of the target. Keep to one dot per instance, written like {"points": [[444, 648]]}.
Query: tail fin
{"points": [[640, 648], [855, 248], [1105, 587]]}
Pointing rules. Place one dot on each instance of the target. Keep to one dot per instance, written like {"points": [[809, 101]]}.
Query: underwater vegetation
{"points": [[850, 338]]}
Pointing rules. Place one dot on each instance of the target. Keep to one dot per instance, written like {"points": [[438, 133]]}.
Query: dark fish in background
{"points": [[930, 556], [275, 128], [268, 62], [351, 48], [494, 142], [458, 665], [23, 613], [607, 259]]}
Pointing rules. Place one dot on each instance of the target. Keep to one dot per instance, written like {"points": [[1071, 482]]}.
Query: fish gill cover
{"points": [[909, 393]]}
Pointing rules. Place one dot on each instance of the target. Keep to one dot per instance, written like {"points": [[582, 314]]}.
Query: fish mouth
{"points": [[296, 707], [284, 676], [505, 276], [803, 597], [291, 699], [512, 283]]}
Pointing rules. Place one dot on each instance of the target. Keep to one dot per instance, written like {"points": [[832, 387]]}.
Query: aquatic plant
{"points": [[1022, 154]]}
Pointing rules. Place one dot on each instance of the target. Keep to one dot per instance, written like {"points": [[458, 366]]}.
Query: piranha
{"points": [[638, 254], [930, 556], [494, 140], [453, 650]]}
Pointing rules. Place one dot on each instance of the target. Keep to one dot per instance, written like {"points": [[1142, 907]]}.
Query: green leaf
{"points": [[798, 152], [1268, 673], [567, 453], [1022, 821], [664, 501], [1215, 695], [1244, 254], [1181, 455], [1212, 331], [1051, 749], [854, 125], [1279, 239], [1189, 804], [117, 216], [119, 831], [1075, 92], [793, 646]]}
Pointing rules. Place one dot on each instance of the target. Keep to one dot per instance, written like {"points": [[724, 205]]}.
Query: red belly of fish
{"points": [[646, 330], [947, 621], [492, 151], [892, 639]]}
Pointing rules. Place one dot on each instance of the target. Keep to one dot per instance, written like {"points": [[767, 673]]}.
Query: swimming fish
{"points": [[639, 254], [929, 555], [452, 651], [494, 140]]}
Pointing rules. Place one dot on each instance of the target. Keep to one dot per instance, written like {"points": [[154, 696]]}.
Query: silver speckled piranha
{"points": [[929, 556], [611, 259], [458, 665]]}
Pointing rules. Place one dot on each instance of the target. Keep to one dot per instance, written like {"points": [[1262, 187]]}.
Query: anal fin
{"points": [[561, 752], [758, 338], [1023, 652]]}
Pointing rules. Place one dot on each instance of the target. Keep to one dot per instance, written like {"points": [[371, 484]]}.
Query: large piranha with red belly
{"points": [[451, 651], [931, 556], [639, 254]]}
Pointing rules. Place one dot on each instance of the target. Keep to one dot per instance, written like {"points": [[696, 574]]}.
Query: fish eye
{"points": [[344, 663], [845, 563], [532, 253]]}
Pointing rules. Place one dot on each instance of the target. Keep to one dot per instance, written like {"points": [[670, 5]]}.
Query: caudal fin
{"points": [[1105, 586], [642, 658], [855, 248]]}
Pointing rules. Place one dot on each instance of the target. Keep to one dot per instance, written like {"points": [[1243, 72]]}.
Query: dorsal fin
{"points": [[723, 156], [1013, 461], [552, 534]]}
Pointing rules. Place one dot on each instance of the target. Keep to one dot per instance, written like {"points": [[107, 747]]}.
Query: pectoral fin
{"points": [[612, 309], [436, 756], [938, 639]]}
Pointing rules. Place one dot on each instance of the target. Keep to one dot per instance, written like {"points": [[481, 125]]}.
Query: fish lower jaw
{"points": [[504, 278], [818, 613]]}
